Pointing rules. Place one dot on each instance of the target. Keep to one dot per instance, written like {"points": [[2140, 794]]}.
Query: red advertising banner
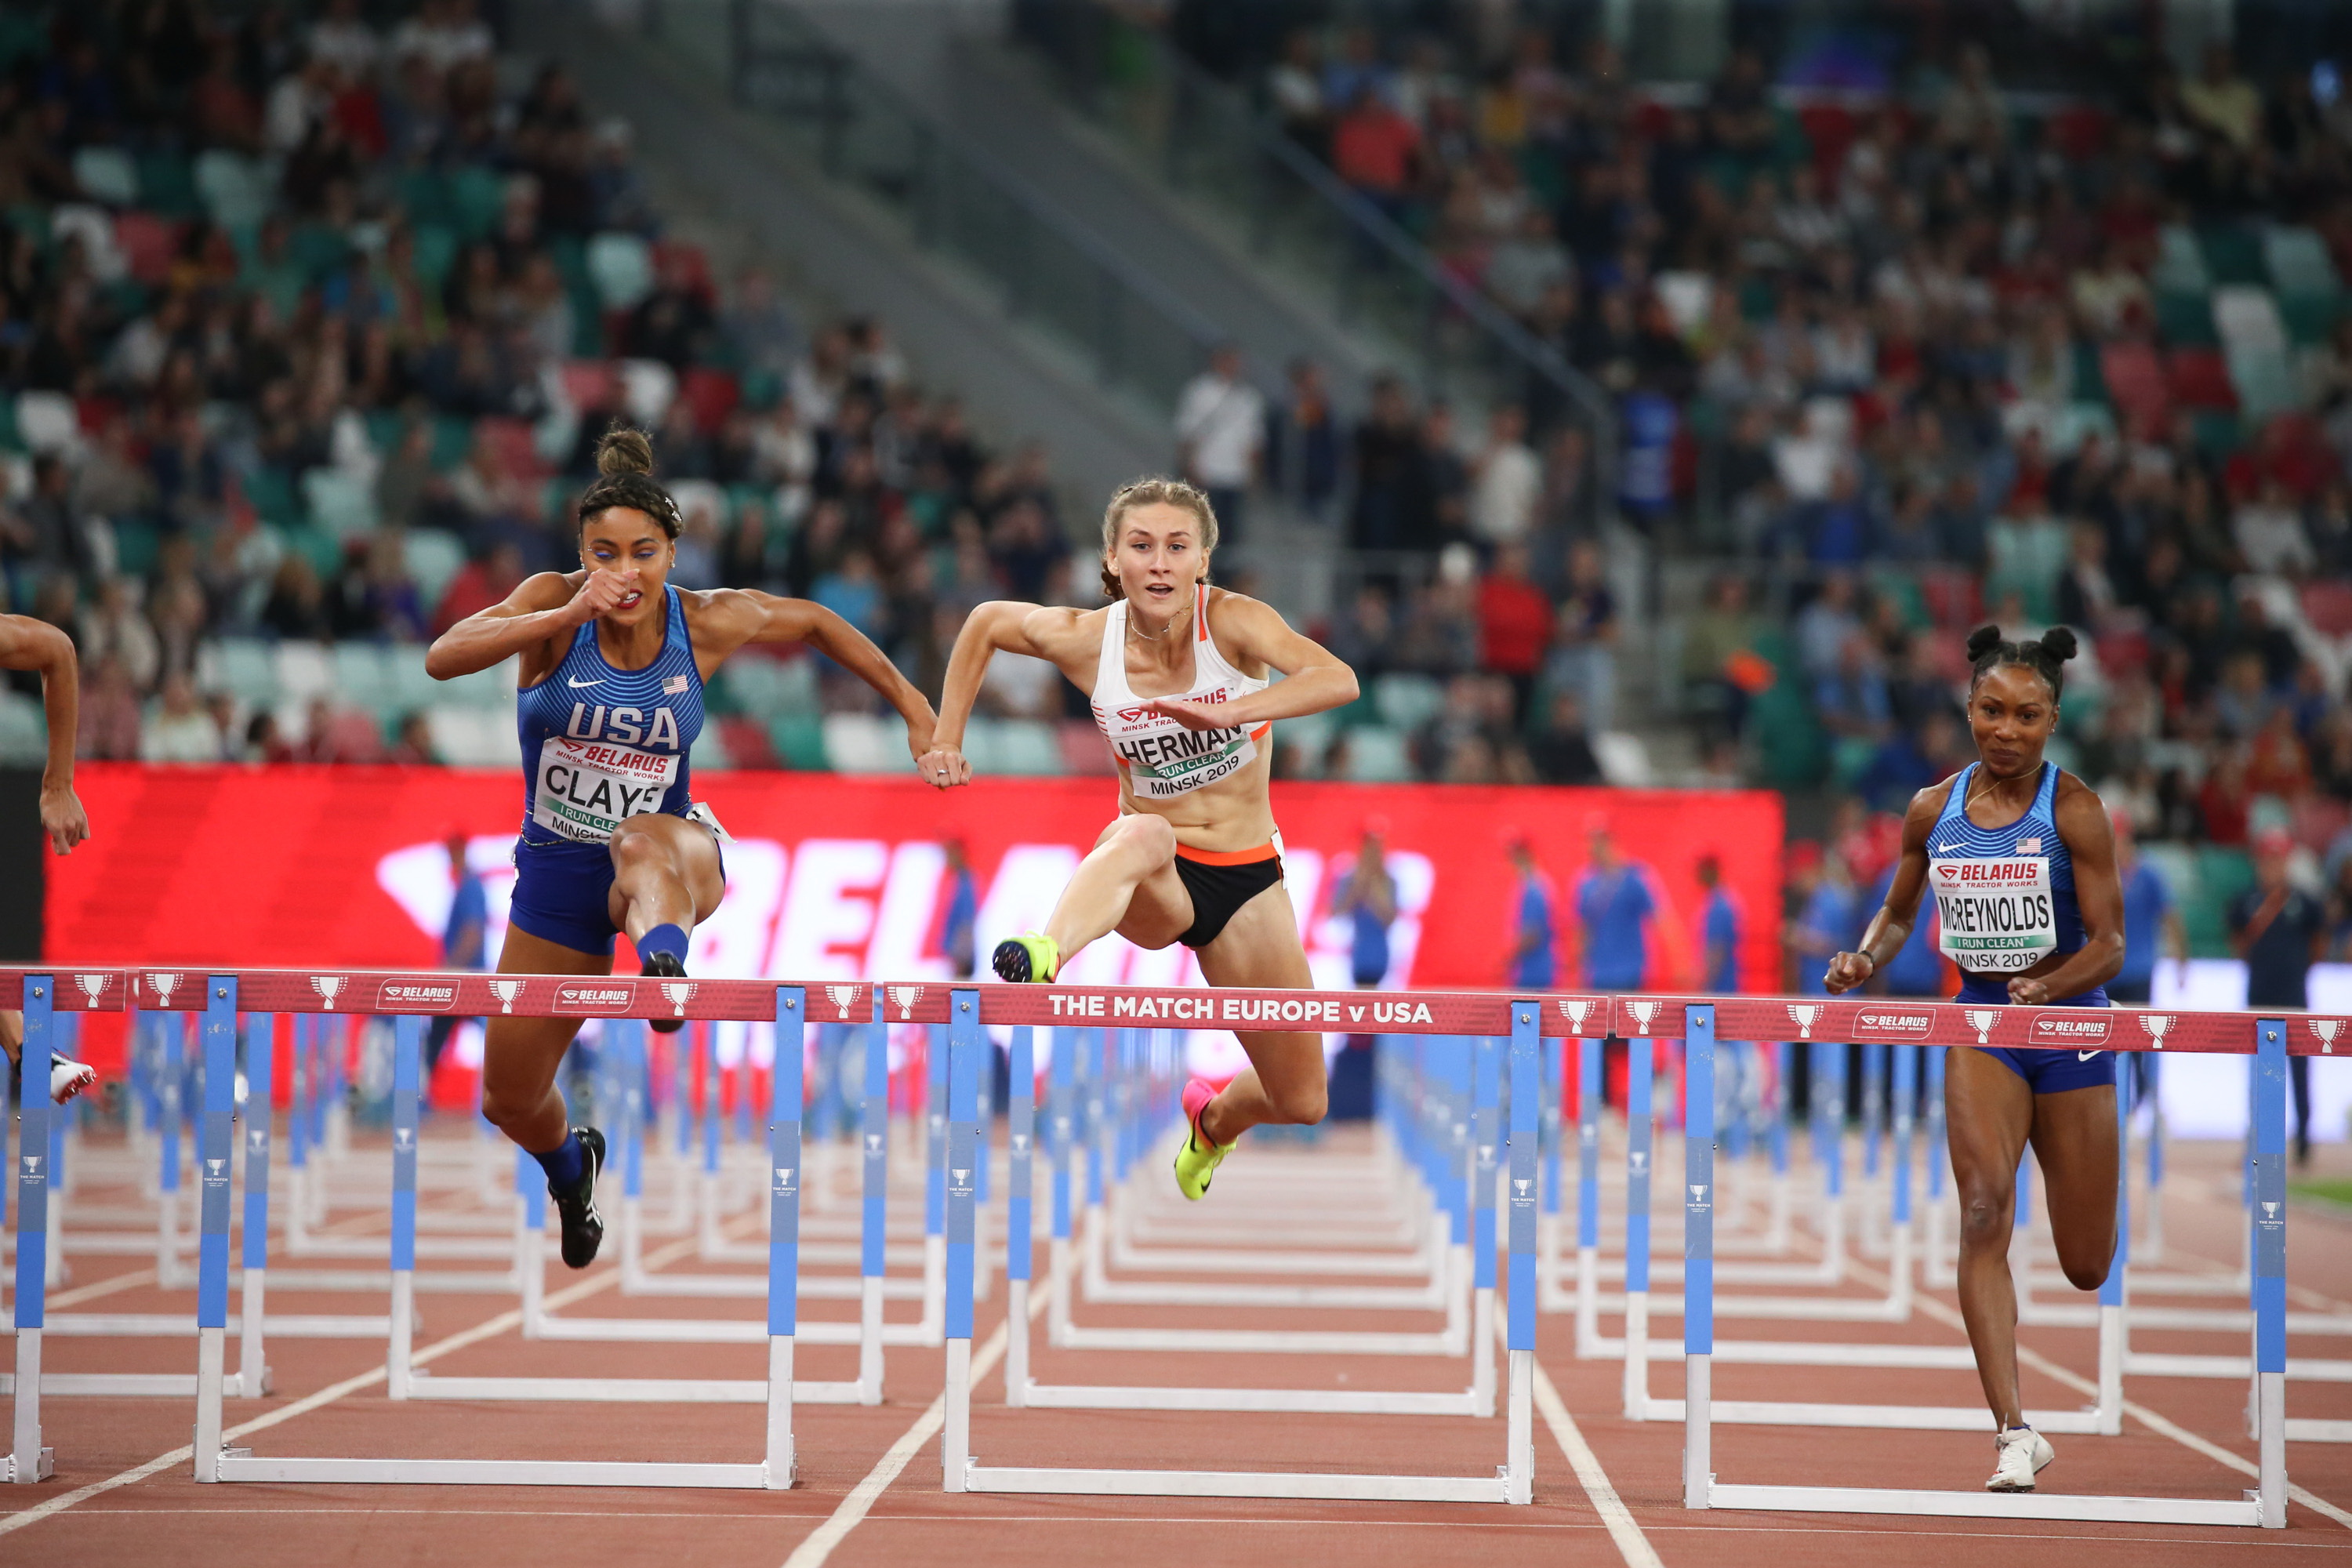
{"points": [[840, 877]]}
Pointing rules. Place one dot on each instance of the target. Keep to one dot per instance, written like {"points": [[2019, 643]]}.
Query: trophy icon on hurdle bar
{"points": [[162, 985], [2324, 1031], [93, 986], [1805, 1016], [1982, 1019], [1575, 1009], [2156, 1025], [844, 997], [328, 986], [904, 998], [678, 992], [1642, 1013], [505, 991], [784, 1181]]}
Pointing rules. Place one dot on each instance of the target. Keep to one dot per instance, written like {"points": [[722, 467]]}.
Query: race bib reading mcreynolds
{"points": [[1998, 916]]}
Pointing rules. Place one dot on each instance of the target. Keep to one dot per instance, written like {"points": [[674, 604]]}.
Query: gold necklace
{"points": [[1140, 636]]}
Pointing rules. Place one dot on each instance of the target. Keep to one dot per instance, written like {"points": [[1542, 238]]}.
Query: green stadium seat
{"points": [[2310, 318], [342, 503], [106, 174], [167, 184], [362, 677], [621, 267], [433, 251], [2264, 380], [244, 668], [1406, 702], [235, 190], [322, 550], [1027, 748], [710, 753], [408, 688], [1378, 754], [453, 439], [2179, 263], [864, 744], [305, 670], [799, 742], [136, 546], [473, 737], [2232, 252], [476, 195], [435, 556], [271, 494], [2185, 318], [2247, 316], [2297, 261], [24, 732]]}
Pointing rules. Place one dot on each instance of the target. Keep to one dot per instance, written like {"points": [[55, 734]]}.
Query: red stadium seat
{"points": [[147, 243], [2200, 378], [512, 440], [2328, 605], [1831, 127], [746, 741], [589, 382], [2136, 380], [1954, 599], [711, 393]]}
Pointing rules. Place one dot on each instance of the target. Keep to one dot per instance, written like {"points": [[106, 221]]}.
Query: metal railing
{"points": [[1046, 267], [1324, 237]]}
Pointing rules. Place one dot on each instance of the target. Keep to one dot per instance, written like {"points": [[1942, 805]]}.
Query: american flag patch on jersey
{"points": [[2029, 847], [676, 684]]}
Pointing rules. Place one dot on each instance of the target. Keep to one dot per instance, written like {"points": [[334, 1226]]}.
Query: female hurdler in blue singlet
{"points": [[2022, 860], [29, 645], [613, 660], [1179, 674]]}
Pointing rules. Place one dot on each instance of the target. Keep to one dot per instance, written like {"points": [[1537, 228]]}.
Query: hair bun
{"points": [[1982, 641], [2059, 643], [623, 450]]}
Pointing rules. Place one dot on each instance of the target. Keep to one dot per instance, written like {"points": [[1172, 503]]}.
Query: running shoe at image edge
{"points": [[666, 966]]}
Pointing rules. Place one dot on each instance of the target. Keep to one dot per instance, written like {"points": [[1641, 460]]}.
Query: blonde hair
{"points": [[1154, 492]]}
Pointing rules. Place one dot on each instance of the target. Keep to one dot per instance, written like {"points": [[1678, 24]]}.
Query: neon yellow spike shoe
{"points": [[1031, 958], [1197, 1159]]}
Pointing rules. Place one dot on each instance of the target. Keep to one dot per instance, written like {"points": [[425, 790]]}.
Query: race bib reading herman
{"points": [[1164, 763], [586, 789], [1998, 916]]}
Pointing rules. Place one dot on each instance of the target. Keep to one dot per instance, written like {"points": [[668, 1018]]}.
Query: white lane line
{"points": [[2137, 1412], [489, 1329], [1632, 1544], [98, 1287], [820, 1542]]}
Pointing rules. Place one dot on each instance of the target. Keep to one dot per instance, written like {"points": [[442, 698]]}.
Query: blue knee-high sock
{"points": [[565, 1165], [667, 938]]}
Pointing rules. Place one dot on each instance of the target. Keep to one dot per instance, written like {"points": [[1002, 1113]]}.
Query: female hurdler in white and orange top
{"points": [[1178, 675]]}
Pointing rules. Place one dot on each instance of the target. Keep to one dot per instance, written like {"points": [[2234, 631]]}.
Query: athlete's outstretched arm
{"points": [[748, 615], [1890, 928], [2089, 834], [542, 607], [1001, 625], [1315, 680], [28, 644]]}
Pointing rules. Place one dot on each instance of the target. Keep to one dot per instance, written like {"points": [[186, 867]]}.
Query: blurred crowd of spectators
{"points": [[308, 326], [1899, 363]]}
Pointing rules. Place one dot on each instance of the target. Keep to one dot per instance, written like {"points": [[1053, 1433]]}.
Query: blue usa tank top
{"points": [[601, 744], [2004, 896]]}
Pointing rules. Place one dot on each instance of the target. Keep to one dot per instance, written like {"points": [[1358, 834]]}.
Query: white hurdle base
{"points": [[1496, 1489], [1983, 1504], [240, 1465]]}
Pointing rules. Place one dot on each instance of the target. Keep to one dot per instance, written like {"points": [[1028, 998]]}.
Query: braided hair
{"points": [[625, 468], [2045, 656]]}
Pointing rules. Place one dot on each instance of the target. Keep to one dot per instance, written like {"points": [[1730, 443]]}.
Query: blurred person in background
{"points": [[959, 926], [31, 645], [182, 729], [464, 939], [1221, 437], [1365, 897], [2280, 931], [1303, 457], [1534, 934]]}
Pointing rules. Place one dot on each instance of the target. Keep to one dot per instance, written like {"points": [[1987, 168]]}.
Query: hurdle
{"points": [[1457, 1014], [1023, 1391], [405, 996], [2017, 1027], [1100, 1134]]}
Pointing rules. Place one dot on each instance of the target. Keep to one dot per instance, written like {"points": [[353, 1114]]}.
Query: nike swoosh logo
{"points": [[2084, 1056], [1940, 848], [597, 682]]}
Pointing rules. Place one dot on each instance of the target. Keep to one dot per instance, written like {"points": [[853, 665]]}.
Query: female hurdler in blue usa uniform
{"points": [[1178, 674], [2022, 857], [613, 660]]}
